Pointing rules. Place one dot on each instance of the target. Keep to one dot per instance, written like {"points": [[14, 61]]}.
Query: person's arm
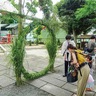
{"points": [[73, 43], [74, 61], [65, 56], [63, 48]]}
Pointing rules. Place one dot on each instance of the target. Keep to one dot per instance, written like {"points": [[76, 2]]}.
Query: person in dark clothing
{"points": [[92, 50], [85, 48]]}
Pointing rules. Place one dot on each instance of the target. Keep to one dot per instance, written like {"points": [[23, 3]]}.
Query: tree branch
{"points": [[20, 15]]}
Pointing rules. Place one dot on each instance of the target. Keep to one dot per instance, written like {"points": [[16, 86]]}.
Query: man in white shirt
{"points": [[66, 53]]}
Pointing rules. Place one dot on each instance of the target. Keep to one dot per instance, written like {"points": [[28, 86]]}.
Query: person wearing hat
{"points": [[66, 53], [92, 50]]}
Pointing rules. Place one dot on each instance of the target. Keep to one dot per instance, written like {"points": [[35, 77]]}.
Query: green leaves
{"points": [[46, 7], [87, 9], [32, 6], [52, 24], [38, 30], [14, 4]]}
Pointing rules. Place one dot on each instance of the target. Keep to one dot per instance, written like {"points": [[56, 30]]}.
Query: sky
{"points": [[4, 4], [55, 1]]}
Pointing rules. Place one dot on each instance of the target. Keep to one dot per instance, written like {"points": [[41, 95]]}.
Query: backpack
{"points": [[80, 56]]}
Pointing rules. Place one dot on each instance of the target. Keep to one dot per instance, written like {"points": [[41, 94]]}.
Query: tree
{"points": [[66, 10], [88, 11]]}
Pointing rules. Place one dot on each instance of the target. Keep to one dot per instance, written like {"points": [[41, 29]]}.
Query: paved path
{"points": [[53, 84]]}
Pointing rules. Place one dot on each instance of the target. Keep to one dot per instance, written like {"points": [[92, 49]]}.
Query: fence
{"points": [[6, 39]]}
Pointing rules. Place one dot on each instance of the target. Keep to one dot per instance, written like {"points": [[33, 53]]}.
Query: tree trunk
{"points": [[75, 37], [51, 62], [18, 77]]}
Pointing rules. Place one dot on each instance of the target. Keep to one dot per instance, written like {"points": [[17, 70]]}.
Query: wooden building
{"points": [[82, 39]]}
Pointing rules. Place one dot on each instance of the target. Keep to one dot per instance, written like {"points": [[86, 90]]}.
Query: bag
{"points": [[72, 75], [89, 50]]}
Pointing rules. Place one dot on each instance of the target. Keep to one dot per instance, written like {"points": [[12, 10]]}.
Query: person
{"points": [[73, 42], [90, 81], [92, 50], [66, 53], [85, 48], [83, 70]]}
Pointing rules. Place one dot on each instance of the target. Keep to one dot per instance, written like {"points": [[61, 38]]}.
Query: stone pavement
{"points": [[52, 84]]}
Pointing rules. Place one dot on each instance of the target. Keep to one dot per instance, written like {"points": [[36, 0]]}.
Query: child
{"points": [[90, 82]]}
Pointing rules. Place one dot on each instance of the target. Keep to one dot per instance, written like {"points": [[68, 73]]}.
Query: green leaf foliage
{"points": [[32, 7], [38, 30], [46, 7], [8, 18], [52, 24], [69, 12], [14, 4], [68, 7], [88, 9]]}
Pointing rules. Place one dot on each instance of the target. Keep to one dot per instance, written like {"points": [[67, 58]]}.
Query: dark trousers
{"points": [[67, 63]]}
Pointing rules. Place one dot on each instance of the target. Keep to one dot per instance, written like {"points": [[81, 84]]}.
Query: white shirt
{"points": [[64, 49]]}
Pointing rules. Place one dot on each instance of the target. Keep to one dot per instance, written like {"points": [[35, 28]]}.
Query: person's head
{"points": [[92, 38], [72, 38], [68, 37], [89, 58], [71, 48]]}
